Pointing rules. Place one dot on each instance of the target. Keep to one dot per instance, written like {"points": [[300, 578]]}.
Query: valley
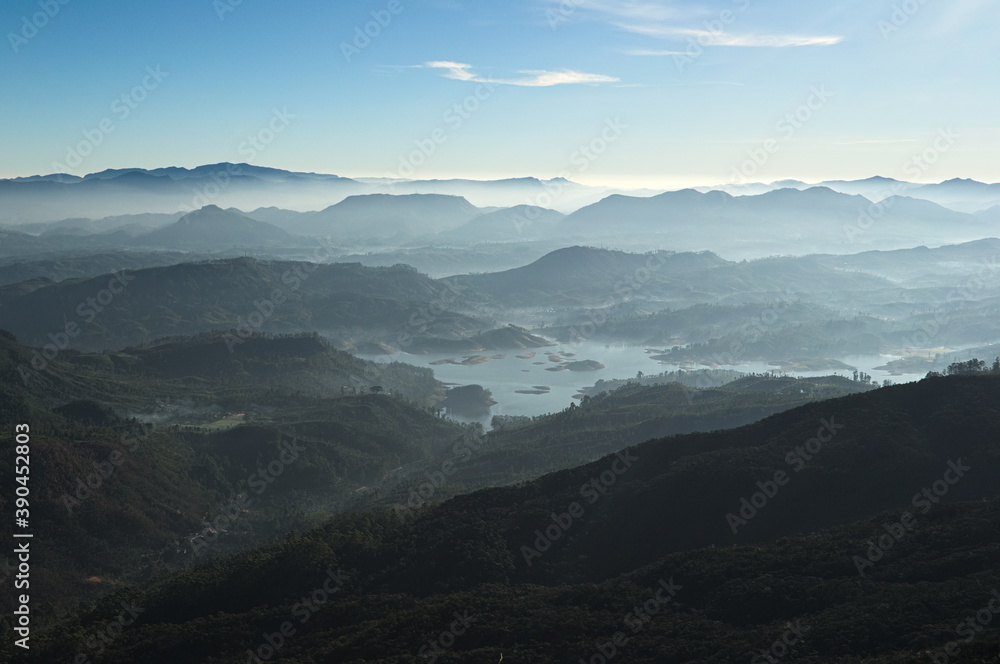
{"points": [[423, 413], [535, 332]]}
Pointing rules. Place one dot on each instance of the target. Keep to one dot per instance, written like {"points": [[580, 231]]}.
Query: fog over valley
{"points": [[414, 331]]}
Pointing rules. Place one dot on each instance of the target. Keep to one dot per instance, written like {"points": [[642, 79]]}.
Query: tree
{"points": [[973, 366]]}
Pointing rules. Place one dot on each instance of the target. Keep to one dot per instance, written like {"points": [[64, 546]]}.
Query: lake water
{"points": [[506, 376]]}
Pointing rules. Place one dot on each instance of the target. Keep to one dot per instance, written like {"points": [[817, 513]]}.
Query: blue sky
{"points": [[701, 92]]}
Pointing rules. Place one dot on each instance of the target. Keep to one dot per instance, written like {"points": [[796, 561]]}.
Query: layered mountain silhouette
{"points": [[132, 307], [817, 219], [374, 216], [605, 277], [518, 223], [48, 198], [212, 227], [167, 190]]}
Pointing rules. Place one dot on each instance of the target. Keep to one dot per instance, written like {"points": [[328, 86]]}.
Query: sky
{"points": [[636, 93]]}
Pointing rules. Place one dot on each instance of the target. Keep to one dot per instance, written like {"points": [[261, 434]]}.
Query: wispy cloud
{"points": [[456, 70], [634, 10], [542, 78], [666, 20], [711, 38], [879, 141], [653, 53], [532, 78], [735, 83]]}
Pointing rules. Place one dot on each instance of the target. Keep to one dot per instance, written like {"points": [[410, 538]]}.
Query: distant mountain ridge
{"points": [[384, 215], [780, 221], [963, 195], [167, 190], [590, 276], [55, 196], [243, 294], [211, 226]]}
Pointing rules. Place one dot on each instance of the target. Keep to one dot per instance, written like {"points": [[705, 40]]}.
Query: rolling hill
{"points": [[592, 276], [247, 295], [782, 221], [210, 228], [137, 451], [372, 216], [871, 542], [520, 222]]}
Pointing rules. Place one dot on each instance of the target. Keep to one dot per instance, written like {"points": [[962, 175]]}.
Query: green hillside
{"points": [[878, 539]]}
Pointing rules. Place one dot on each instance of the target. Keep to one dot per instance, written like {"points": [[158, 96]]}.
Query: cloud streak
{"points": [[711, 38], [456, 70], [653, 52], [664, 20], [631, 10], [877, 141], [532, 78]]}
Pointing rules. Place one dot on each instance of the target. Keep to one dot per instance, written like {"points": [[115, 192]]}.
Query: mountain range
{"points": [[211, 227], [964, 195], [244, 295], [782, 221], [48, 198]]}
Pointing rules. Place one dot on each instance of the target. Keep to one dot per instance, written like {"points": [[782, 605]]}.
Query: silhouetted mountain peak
{"points": [[211, 226]]}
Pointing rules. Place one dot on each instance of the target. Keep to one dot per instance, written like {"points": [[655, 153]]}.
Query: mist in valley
{"points": [[669, 335]]}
